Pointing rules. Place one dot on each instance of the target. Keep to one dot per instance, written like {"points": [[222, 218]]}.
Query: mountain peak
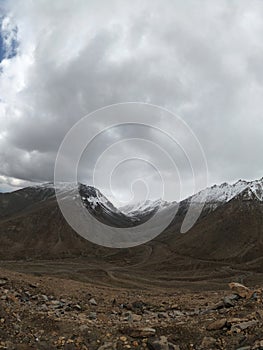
{"points": [[219, 194]]}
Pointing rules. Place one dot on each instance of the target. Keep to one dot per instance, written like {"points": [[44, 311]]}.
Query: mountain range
{"points": [[229, 229]]}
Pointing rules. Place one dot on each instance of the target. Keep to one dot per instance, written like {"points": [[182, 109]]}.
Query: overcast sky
{"points": [[63, 59]]}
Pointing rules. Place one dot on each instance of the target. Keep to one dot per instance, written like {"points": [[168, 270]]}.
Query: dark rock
{"points": [[92, 315], [138, 305], [228, 302]]}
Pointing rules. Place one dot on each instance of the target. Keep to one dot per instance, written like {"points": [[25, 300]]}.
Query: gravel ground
{"points": [[53, 313]]}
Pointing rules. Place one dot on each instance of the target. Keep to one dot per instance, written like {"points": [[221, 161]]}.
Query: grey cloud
{"points": [[200, 59]]}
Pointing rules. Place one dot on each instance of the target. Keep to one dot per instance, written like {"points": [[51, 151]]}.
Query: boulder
{"points": [[241, 290]]}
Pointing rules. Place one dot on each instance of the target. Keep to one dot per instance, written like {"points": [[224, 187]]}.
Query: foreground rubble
{"points": [[49, 313]]}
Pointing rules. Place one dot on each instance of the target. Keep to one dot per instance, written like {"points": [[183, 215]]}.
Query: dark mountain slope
{"points": [[234, 231]]}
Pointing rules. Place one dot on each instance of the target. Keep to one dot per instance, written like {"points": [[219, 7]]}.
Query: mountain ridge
{"points": [[215, 193], [32, 226]]}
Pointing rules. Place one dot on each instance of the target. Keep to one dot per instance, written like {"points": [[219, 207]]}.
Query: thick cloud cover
{"points": [[201, 59]]}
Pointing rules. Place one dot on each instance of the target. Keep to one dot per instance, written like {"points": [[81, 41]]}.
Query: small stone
{"points": [[234, 297], [3, 281], [16, 327], [173, 347], [44, 297], [138, 305], [9, 345], [161, 344], [77, 307], [123, 338], [158, 344], [236, 320], [93, 302], [228, 302], [140, 332], [255, 296], [217, 306], [92, 315], [43, 345], [216, 325], [83, 328], [136, 318], [208, 342], [258, 345], [177, 313], [242, 326], [57, 304], [106, 346]]}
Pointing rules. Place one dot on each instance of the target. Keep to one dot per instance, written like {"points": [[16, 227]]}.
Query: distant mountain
{"points": [[233, 231], [96, 203], [230, 227], [219, 194], [14, 202], [144, 210], [101, 208]]}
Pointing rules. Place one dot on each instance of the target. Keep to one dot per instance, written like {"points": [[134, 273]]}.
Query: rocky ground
{"points": [[52, 313]]}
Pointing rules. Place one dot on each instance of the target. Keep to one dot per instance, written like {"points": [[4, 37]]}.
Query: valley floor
{"points": [[49, 310], [146, 272]]}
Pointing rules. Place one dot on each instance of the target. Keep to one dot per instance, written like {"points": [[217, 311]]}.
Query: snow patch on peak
{"points": [[225, 192], [257, 188], [148, 206], [95, 201]]}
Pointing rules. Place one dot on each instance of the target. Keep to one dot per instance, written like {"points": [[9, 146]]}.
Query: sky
{"points": [[200, 59]]}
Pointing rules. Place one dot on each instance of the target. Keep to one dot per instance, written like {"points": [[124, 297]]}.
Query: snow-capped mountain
{"points": [[33, 225], [146, 207], [213, 197], [94, 201], [131, 214], [99, 206], [218, 194], [90, 196]]}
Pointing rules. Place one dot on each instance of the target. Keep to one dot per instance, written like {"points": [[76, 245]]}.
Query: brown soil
{"points": [[55, 313]]}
